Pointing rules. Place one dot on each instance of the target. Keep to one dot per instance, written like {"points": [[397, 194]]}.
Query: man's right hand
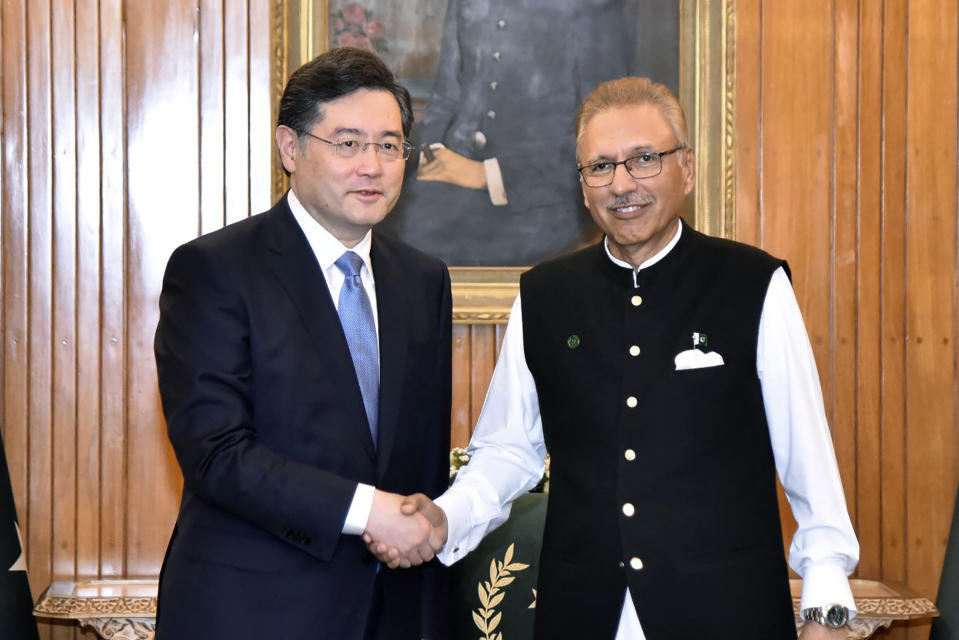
{"points": [[405, 536], [414, 506]]}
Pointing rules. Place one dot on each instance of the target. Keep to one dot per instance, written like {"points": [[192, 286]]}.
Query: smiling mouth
{"points": [[626, 209]]}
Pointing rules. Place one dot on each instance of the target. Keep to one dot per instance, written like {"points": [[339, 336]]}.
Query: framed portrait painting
{"points": [[496, 84]]}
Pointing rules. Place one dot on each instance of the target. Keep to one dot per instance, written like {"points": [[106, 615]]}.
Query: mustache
{"points": [[632, 200]]}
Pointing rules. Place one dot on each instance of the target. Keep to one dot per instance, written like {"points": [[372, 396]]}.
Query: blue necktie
{"points": [[356, 316]]}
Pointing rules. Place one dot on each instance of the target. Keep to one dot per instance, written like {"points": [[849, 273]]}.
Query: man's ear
{"points": [[582, 185], [288, 144], [688, 163]]}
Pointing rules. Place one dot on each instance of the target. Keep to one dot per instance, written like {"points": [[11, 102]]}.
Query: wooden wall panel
{"points": [[865, 504], [846, 167], [86, 337], [38, 372], [112, 455], [931, 281], [892, 313], [121, 123]]}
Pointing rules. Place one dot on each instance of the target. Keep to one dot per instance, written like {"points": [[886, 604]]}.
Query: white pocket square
{"points": [[696, 359]]}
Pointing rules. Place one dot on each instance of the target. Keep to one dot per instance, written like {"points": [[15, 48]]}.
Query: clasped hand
{"points": [[404, 531], [449, 166]]}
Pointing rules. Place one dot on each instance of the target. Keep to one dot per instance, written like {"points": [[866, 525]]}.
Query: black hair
{"points": [[332, 75]]}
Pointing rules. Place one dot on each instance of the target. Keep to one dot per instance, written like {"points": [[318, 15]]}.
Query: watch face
{"points": [[836, 616]]}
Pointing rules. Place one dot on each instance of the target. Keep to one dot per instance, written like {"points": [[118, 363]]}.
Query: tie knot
{"points": [[349, 263]]}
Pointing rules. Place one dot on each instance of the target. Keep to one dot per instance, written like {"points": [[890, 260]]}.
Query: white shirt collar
{"points": [[326, 247]]}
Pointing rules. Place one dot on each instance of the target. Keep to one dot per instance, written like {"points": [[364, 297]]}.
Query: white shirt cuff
{"points": [[824, 584], [359, 514], [494, 182], [457, 510]]}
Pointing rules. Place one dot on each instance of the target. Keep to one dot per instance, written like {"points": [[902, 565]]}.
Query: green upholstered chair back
{"points": [[494, 587]]}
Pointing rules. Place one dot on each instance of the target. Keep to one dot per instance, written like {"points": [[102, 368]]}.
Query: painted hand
{"points": [[449, 166]]}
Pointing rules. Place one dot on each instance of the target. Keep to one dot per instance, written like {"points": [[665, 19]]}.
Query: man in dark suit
{"points": [[304, 367]]}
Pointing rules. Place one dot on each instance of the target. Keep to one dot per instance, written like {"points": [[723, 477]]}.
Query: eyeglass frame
{"points": [[612, 174], [405, 147]]}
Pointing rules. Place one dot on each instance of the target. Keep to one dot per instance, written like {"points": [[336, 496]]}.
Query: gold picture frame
{"points": [[484, 295]]}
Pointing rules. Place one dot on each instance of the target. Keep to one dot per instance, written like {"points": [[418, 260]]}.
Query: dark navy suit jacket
{"points": [[266, 418]]}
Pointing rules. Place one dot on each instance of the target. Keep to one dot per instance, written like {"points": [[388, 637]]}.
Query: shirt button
{"points": [[493, 85], [634, 351], [491, 114], [631, 402], [636, 300], [629, 454], [497, 56], [501, 24], [629, 510], [635, 563]]}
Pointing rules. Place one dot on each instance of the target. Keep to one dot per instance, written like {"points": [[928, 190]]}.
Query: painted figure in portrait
{"points": [[495, 181]]}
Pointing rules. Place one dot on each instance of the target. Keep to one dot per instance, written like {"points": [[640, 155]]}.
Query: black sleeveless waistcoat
{"points": [[662, 480]]}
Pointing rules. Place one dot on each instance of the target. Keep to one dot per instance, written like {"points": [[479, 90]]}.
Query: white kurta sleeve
{"points": [[824, 549], [507, 452]]}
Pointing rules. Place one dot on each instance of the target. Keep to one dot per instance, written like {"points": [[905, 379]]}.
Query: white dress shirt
{"points": [[508, 452], [328, 250]]}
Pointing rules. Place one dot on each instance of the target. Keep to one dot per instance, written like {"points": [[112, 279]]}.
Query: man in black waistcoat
{"points": [[670, 377]]}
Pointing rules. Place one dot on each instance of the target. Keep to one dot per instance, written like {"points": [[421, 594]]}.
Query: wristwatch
{"points": [[832, 616]]}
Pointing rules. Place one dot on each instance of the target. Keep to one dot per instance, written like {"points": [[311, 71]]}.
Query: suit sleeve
{"points": [[437, 476], [204, 366]]}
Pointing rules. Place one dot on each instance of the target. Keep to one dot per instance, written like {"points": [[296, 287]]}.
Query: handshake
{"points": [[404, 531]]}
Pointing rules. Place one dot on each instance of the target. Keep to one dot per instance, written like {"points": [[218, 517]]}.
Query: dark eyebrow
{"points": [[357, 132]]}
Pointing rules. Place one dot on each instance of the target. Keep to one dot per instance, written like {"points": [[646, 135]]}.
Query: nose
{"points": [[369, 161], [622, 181]]}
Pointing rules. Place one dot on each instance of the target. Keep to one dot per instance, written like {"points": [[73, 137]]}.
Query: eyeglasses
{"points": [[351, 147], [644, 165]]}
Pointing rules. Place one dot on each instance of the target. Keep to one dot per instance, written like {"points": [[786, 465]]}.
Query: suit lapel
{"points": [[390, 301], [295, 266]]}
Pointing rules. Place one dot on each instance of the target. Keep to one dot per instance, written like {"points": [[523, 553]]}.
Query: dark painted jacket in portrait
{"points": [[512, 76]]}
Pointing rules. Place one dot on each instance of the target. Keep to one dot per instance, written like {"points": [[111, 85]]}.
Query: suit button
{"points": [[501, 23], [634, 351], [636, 300], [631, 402], [635, 563], [494, 85], [497, 56], [491, 114], [622, 564], [630, 455], [479, 139], [629, 510]]}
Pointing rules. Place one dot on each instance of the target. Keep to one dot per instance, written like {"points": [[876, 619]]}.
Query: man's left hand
{"points": [[449, 166], [816, 631]]}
